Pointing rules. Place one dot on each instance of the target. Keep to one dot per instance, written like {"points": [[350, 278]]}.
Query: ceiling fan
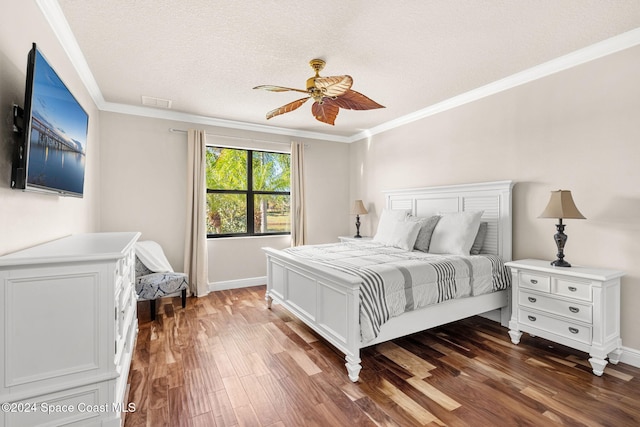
{"points": [[329, 93]]}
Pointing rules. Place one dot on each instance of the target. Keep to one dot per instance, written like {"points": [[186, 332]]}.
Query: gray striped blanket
{"points": [[395, 281]]}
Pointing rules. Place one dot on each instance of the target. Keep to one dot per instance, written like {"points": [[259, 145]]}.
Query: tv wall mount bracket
{"points": [[18, 119]]}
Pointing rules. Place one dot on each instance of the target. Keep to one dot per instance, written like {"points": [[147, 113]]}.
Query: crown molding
{"points": [[136, 110], [573, 59], [53, 13]]}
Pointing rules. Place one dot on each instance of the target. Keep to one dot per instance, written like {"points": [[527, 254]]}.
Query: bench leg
{"points": [[153, 309], [184, 298]]}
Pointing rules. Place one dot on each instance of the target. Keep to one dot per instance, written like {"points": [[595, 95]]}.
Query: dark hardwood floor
{"points": [[227, 360]]}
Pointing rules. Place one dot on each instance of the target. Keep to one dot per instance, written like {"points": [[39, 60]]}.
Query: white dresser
{"points": [[67, 330], [575, 306]]}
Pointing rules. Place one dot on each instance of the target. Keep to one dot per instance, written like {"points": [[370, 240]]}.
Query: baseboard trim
{"points": [[237, 284], [630, 356]]}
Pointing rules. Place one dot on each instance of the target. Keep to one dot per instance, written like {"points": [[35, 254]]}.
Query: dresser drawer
{"points": [[569, 309], [563, 328], [572, 289], [535, 281]]}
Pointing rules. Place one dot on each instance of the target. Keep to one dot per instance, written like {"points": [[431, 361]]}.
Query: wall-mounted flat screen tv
{"points": [[51, 155]]}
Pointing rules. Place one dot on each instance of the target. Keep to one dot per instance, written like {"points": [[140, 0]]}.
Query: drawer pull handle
{"points": [[532, 318], [574, 309], [573, 288], [573, 330], [534, 281], [532, 299]]}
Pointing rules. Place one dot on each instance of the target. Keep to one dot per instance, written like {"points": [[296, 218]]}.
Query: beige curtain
{"points": [[298, 225], [195, 247]]}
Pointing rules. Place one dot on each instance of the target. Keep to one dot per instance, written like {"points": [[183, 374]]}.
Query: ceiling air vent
{"points": [[152, 101]]}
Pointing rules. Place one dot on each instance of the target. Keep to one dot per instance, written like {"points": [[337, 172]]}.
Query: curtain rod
{"points": [[233, 137]]}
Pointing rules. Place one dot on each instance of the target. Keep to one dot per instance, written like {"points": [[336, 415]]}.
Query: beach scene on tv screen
{"points": [[58, 137]]}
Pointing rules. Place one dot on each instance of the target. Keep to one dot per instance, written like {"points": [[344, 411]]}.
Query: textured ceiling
{"points": [[206, 56]]}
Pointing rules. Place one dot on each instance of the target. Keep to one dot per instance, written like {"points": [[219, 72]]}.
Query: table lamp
{"points": [[358, 209], [561, 206]]}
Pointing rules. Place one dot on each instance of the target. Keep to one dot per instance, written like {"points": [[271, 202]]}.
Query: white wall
{"points": [[144, 181], [576, 130], [28, 218], [144, 185]]}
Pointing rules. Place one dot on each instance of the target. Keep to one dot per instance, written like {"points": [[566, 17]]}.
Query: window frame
{"points": [[250, 194]]}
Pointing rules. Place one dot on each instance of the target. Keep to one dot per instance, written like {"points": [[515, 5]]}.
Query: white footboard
{"points": [[325, 300]]}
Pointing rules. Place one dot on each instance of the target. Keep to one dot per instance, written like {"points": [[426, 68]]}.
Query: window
{"points": [[248, 192]]}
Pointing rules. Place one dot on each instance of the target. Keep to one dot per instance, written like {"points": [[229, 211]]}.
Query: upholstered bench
{"points": [[152, 285]]}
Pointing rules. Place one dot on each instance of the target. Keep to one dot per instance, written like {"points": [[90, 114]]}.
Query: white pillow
{"points": [[388, 218], [455, 233], [404, 235]]}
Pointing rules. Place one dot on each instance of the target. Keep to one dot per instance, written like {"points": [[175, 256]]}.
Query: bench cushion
{"points": [[157, 285]]}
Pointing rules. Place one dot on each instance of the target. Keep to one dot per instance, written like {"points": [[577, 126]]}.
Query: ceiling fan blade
{"points": [[286, 108], [279, 88], [352, 100], [333, 86], [325, 111]]}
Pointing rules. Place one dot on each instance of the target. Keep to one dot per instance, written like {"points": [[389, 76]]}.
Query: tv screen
{"points": [[52, 157]]}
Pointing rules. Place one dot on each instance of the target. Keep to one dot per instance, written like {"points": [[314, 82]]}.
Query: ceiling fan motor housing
{"points": [[317, 65]]}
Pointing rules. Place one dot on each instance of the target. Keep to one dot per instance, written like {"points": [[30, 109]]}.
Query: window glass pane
{"points": [[271, 171], [271, 214], [226, 213], [232, 186], [226, 169]]}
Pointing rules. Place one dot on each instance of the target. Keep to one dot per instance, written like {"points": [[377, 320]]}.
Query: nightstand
{"points": [[575, 306], [354, 239]]}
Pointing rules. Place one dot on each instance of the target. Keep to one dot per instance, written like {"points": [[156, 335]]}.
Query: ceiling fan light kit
{"points": [[328, 93]]}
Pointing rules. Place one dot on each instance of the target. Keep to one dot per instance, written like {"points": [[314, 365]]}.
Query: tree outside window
{"points": [[248, 192]]}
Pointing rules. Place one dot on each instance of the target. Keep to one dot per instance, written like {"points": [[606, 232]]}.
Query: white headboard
{"points": [[494, 198]]}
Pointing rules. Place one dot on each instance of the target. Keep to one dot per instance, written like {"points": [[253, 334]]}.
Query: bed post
{"points": [[505, 312], [353, 366], [354, 338], [267, 295]]}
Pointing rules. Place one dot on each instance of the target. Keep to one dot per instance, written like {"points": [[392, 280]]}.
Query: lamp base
{"points": [[560, 263], [357, 236], [561, 240]]}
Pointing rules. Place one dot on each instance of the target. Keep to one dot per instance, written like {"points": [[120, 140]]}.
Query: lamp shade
{"points": [[358, 208], [561, 205]]}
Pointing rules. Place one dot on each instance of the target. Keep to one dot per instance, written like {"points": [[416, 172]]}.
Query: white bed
{"points": [[327, 300]]}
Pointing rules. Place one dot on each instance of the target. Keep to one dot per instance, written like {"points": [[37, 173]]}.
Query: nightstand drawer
{"points": [[569, 309], [535, 281], [569, 330], [572, 289]]}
